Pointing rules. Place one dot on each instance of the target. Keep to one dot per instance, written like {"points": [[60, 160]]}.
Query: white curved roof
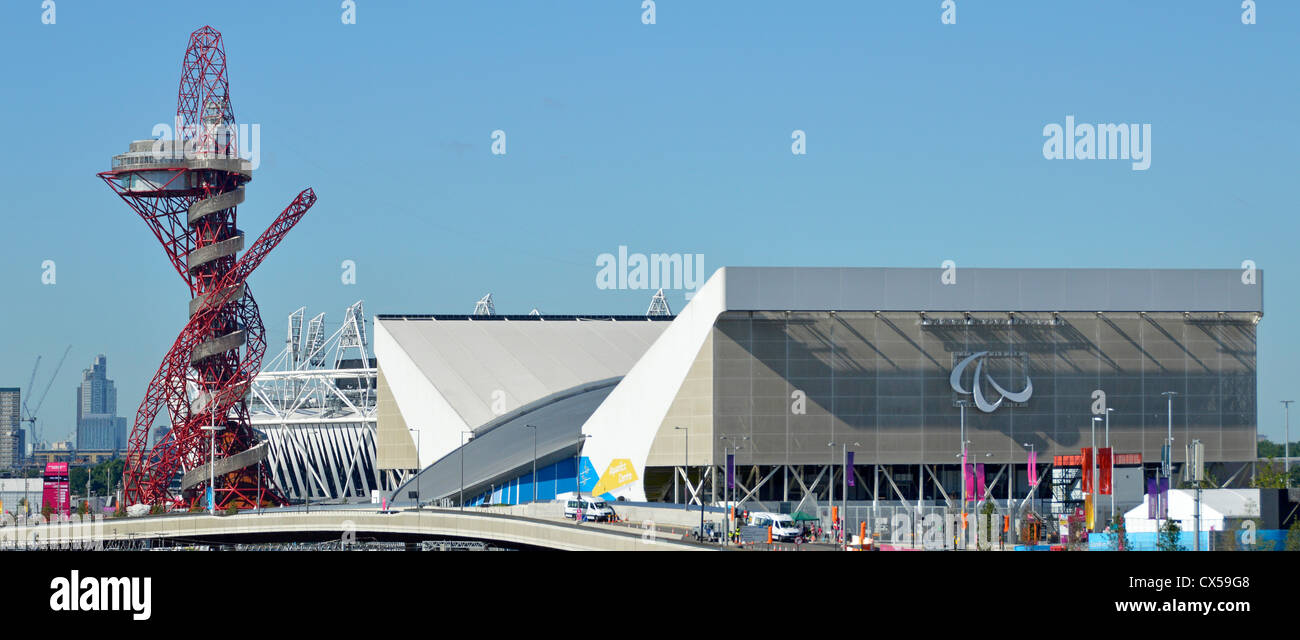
{"points": [[460, 373]]}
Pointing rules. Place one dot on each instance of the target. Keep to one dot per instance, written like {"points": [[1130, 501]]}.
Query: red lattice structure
{"points": [[186, 190]]}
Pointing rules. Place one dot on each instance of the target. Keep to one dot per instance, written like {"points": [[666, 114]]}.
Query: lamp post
{"points": [[830, 483], [1112, 465], [726, 520], [461, 455], [844, 510], [962, 404], [577, 472], [1092, 470], [1169, 466], [534, 428], [1286, 446], [1030, 461], [212, 430], [726, 494]]}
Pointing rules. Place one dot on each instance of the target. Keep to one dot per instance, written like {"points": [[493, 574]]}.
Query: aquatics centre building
{"points": [[788, 369]]}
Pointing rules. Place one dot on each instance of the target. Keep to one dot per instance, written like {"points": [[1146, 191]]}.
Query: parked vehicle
{"points": [[783, 526], [593, 510]]}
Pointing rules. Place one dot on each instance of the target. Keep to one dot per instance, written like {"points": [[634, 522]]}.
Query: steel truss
{"points": [[189, 203]]}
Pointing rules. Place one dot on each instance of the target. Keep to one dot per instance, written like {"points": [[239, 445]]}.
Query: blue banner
{"points": [[848, 467], [731, 471], [211, 507]]}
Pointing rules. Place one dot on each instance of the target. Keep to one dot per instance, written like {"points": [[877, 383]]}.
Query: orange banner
{"points": [[1105, 460], [1087, 469]]}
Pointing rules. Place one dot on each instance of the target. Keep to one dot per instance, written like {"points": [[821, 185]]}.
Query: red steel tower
{"points": [[186, 190]]}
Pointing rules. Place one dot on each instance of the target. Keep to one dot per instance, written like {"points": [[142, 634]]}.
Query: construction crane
{"points": [[29, 414]]}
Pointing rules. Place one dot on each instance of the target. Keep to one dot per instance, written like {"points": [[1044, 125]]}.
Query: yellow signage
{"points": [[619, 473]]}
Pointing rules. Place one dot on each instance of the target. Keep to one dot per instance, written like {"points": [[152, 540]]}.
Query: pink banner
{"points": [[968, 477], [1033, 467], [979, 480]]}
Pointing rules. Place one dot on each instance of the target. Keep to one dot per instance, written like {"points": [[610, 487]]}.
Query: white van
{"points": [[592, 509], [783, 526]]}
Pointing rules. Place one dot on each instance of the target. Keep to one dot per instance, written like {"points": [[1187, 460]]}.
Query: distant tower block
{"points": [[659, 305], [186, 191], [484, 306]]}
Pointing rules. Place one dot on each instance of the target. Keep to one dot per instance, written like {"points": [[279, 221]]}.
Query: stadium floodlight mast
{"points": [[534, 428]]}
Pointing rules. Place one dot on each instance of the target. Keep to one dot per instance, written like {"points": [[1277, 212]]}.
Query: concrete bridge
{"points": [[506, 529]]}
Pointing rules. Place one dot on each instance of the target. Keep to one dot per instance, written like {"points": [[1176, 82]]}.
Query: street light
{"points": [[1092, 470], [1028, 461], [844, 515], [726, 520], [973, 498], [1112, 465], [962, 404], [212, 430], [534, 428], [461, 455], [577, 472], [1286, 446], [1169, 465]]}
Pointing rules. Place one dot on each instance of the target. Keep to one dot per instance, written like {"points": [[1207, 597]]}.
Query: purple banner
{"points": [[1153, 498], [1033, 468], [1164, 498], [731, 471], [979, 481], [848, 467]]}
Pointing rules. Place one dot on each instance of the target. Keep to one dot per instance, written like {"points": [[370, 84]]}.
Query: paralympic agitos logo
{"points": [[977, 387]]}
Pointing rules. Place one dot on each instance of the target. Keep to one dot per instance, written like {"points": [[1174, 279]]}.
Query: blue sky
{"points": [[924, 143]]}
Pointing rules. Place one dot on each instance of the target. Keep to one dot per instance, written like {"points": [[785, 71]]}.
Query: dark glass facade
{"points": [[880, 383]]}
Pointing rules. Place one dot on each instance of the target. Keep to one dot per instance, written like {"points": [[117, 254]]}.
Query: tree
{"points": [[1293, 536], [1167, 540], [1122, 541], [1269, 475], [987, 510]]}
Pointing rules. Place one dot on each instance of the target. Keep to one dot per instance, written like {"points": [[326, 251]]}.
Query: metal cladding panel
{"points": [[888, 289], [882, 383]]}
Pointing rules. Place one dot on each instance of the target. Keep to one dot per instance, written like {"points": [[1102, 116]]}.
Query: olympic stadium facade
{"points": [[789, 369]]}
